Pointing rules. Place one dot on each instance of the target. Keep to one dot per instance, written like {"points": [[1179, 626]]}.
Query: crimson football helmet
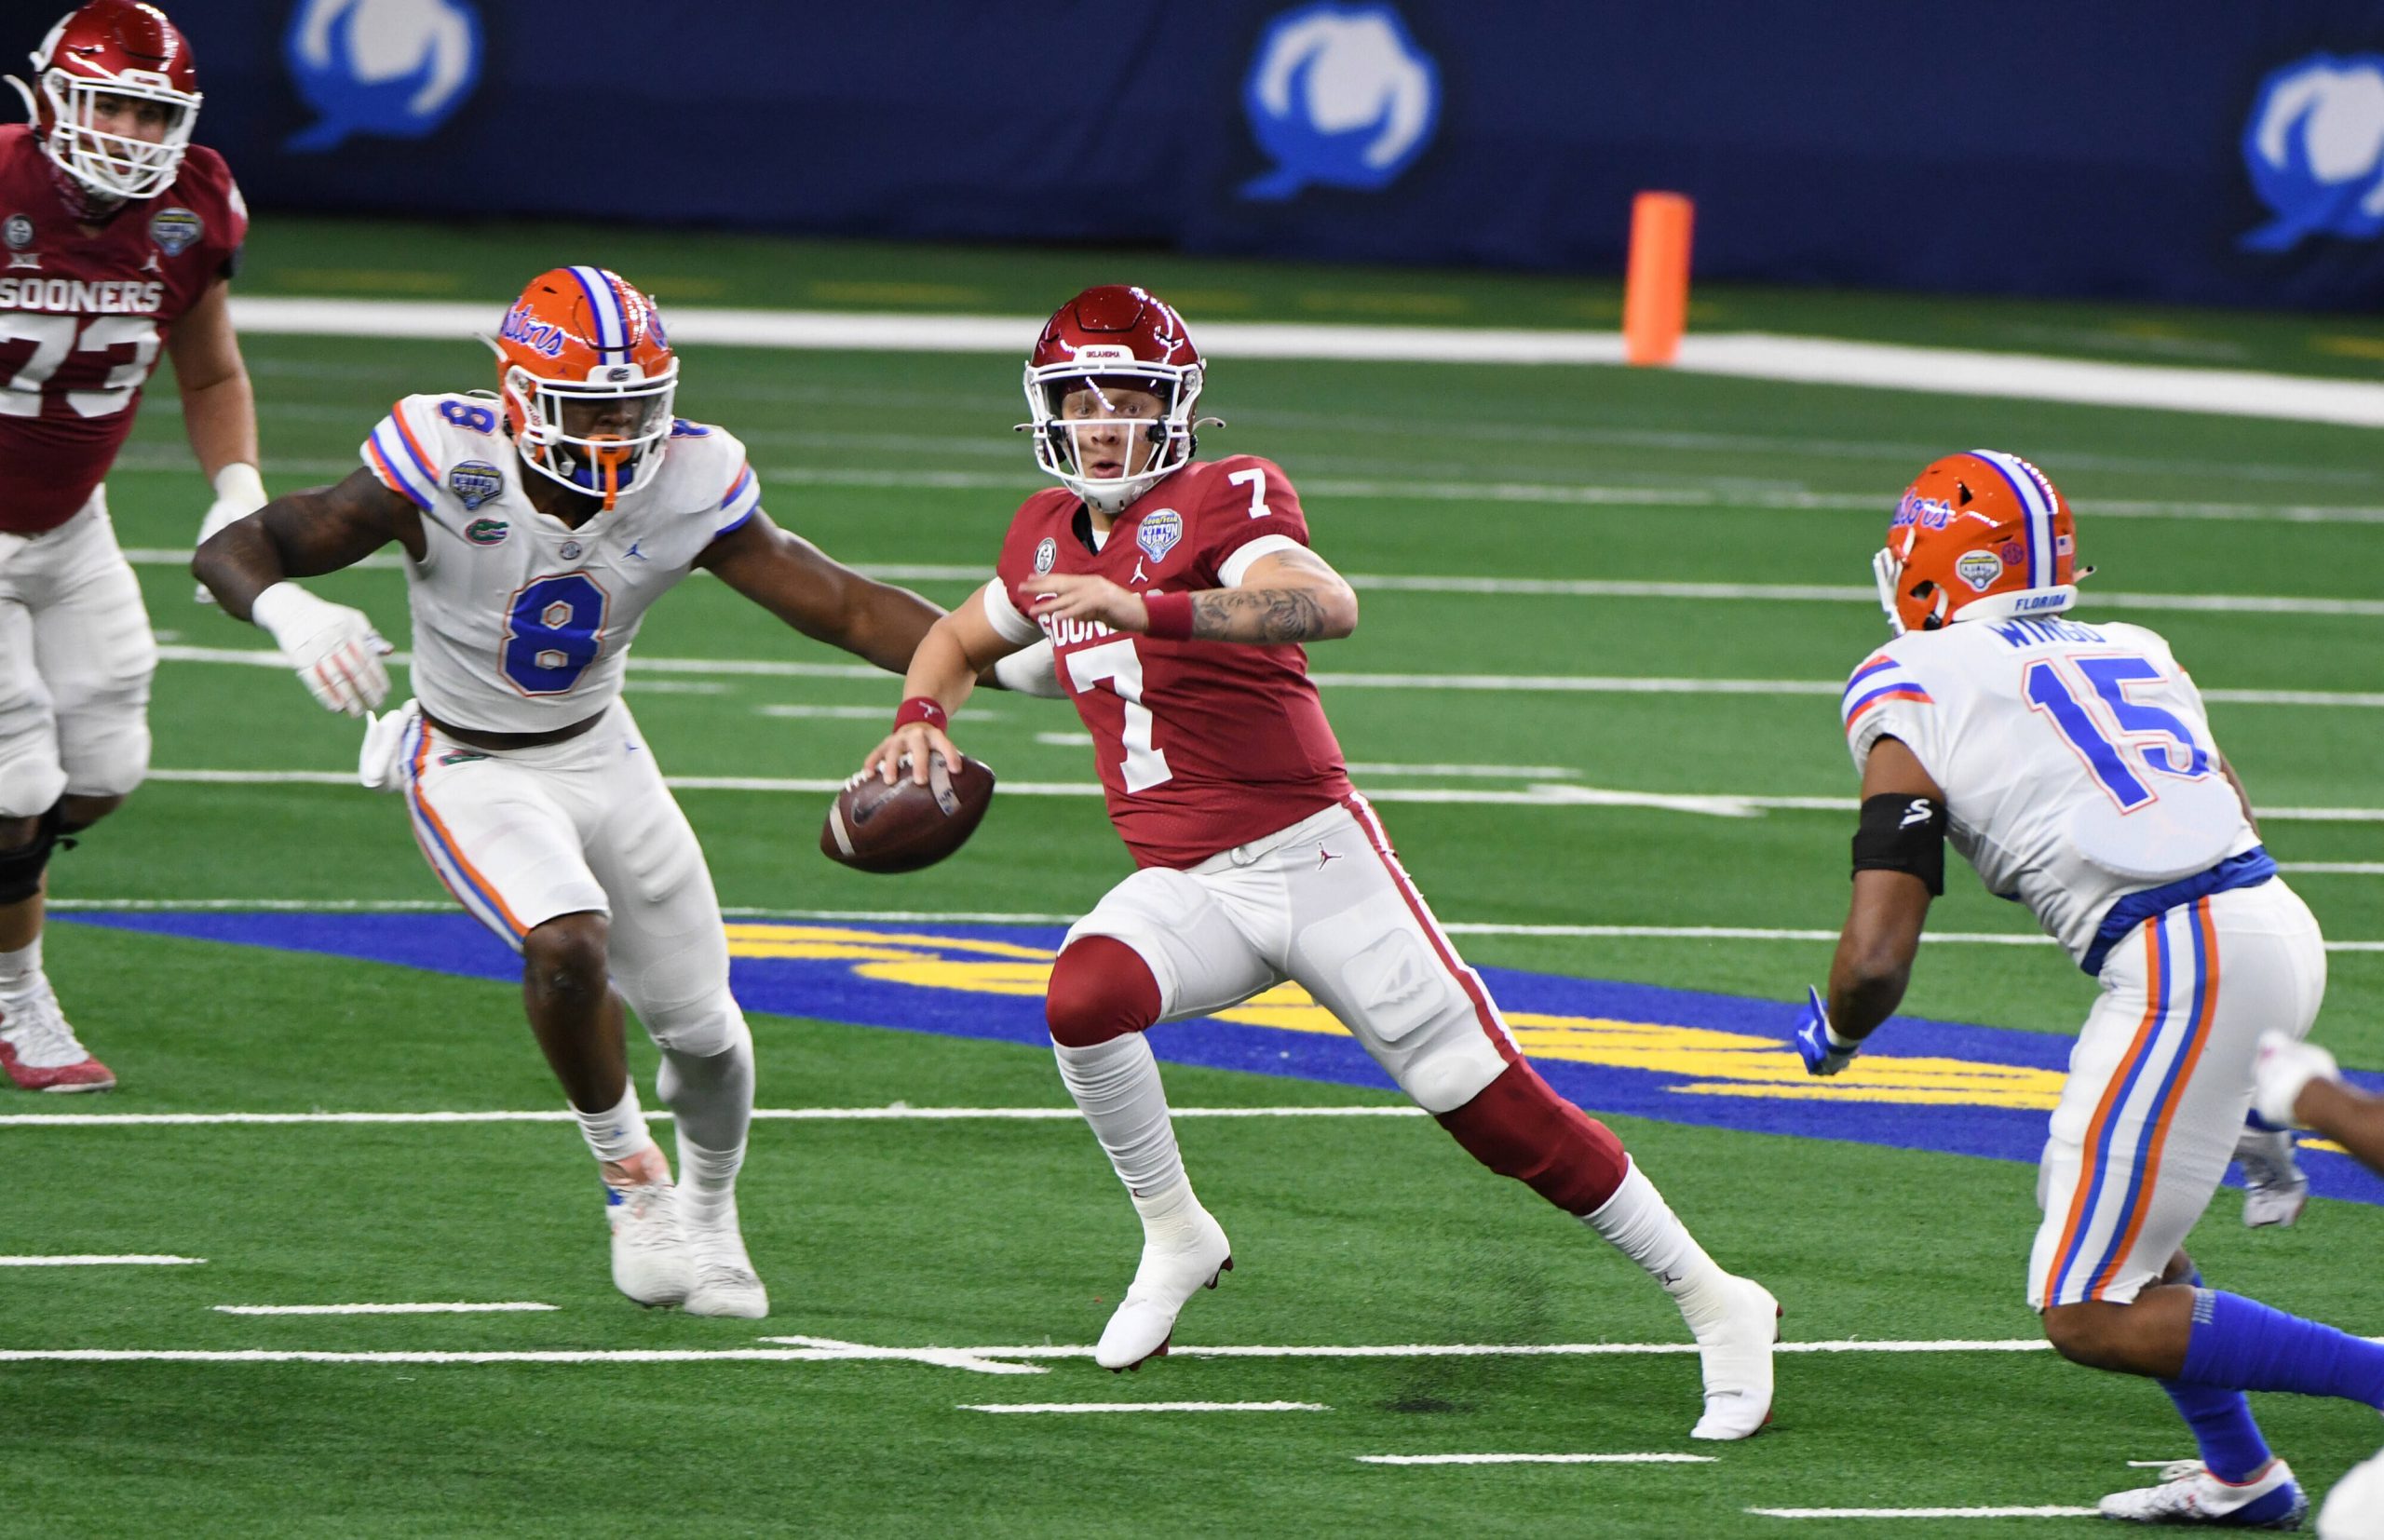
{"points": [[112, 47], [587, 377], [1977, 537], [1109, 338]]}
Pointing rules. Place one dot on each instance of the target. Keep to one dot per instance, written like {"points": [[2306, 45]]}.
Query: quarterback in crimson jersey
{"points": [[1175, 594], [117, 239]]}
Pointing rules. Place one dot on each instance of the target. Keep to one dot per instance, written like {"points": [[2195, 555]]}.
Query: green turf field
{"points": [[1348, 1231]]}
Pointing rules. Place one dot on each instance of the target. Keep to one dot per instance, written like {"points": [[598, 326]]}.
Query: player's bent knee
{"points": [[1519, 1127], [705, 1028], [23, 862], [1100, 989], [2088, 1332], [565, 956]]}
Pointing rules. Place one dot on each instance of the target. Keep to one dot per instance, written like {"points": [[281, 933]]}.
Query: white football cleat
{"points": [[40, 1052], [1169, 1275], [1735, 1352], [2189, 1493], [2354, 1509], [2275, 1189], [650, 1262], [723, 1281]]}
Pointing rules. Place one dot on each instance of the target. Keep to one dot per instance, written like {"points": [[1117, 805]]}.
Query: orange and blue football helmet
{"points": [[587, 377], [1977, 537]]}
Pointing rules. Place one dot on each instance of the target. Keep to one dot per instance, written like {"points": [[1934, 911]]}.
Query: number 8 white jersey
{"points": [[2077, 760], [521, 622]]}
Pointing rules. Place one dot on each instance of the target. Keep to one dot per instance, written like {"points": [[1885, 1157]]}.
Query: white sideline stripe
{"points": [[2335, 869], [1535, 1459], [1590, 587], [2043, 1511], [255, 1354], [1561, 684], [1096, 1407], [1751, 354], [457, 1309], [1728, 804], [779, 1114], [1474, 1350], [135, 1260]]}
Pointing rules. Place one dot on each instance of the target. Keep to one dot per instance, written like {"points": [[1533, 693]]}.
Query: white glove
{"points": [[335, 649], [1032, 673], [381, 764], [2285, 1065], [239, 491]]}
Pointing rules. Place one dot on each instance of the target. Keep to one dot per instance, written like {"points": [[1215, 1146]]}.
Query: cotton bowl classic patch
{"points": [[1676, 1056], [475, 481]]}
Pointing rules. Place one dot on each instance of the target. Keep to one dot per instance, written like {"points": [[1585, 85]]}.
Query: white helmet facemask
{"points": [[607, 461], [111, 165], [1146, 450]]}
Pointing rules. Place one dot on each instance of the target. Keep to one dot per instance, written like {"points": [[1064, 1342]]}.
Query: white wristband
{"points": [[285, 609], [238, 482]]}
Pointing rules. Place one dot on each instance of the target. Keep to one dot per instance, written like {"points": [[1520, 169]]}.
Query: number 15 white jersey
{"points": [[522, 624], [2077, 759]]}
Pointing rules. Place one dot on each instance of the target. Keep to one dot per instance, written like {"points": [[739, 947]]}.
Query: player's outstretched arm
{"points": [[1899, 866], [1287, 596], [797, 582], [246, 565], [219, 411]]}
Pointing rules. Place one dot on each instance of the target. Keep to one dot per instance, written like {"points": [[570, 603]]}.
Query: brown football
{"points": [[874, 827]]}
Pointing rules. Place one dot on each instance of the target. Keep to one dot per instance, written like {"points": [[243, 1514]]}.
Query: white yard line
{"points": [[1535, 1459], [2044, 1511], [455, 1309], [2333, 868], [767, 1114], [136, 1259], [1631, 685], [1040, 1351], [1723, 805], [1752, 355], [1081, 1408]]}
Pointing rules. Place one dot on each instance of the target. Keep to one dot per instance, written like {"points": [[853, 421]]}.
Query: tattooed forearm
{"points": [[1265, 615]]}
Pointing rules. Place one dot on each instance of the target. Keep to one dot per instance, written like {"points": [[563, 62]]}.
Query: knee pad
{"points": [[1519, 1127], [20, 868], [1100, 989], [701, 1029]]}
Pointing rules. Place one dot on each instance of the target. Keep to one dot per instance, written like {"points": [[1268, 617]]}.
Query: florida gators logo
{"points": [[487, 532], [475, 481]]}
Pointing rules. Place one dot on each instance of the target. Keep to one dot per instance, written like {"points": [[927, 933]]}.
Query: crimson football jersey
{"points": [[83, 317], [1202, 745]]}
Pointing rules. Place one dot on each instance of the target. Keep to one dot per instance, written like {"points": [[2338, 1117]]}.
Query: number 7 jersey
{"points": [[522, 624], [1202, 745], [2077, 759]]}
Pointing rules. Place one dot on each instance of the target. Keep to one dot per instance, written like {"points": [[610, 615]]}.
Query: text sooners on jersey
{"points": [[83, 316]]}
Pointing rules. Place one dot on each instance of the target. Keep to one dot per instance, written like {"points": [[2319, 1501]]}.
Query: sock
{"points": [[20, 969], [712, 1098], [2243, 1344], [1116, 1085], [1639, 1224], [618, 1131], [2231, 1441]]}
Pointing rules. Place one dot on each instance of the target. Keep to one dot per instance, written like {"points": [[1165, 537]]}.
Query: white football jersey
{"points": [[2077, 760], [522, 624]]}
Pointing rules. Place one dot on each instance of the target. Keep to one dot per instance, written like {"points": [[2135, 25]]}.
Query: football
{"points": [[874, 827]]}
